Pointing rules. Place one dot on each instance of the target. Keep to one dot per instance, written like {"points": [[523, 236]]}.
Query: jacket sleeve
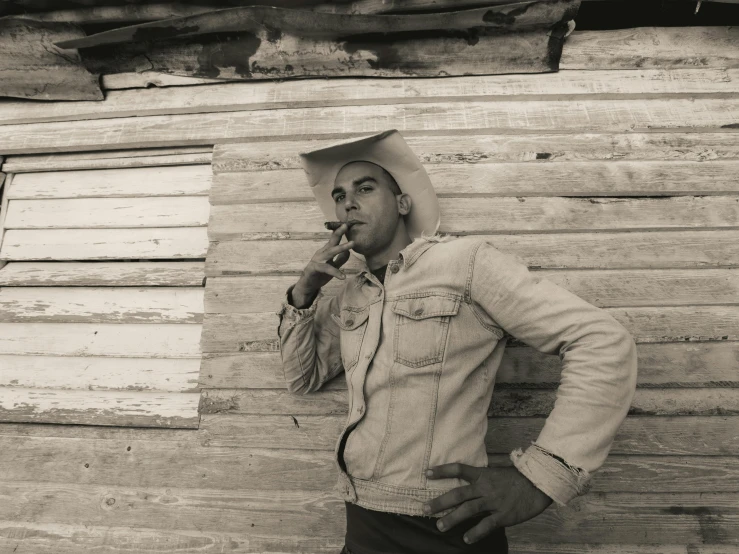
{"points": [[599, 369], [309, 344]]}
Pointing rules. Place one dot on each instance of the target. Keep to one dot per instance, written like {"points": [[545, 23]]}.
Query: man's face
{"points": [[365, 192]]}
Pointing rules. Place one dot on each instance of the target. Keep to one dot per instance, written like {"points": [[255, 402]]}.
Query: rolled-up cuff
{"points": [[555, 478], [292, 315]]}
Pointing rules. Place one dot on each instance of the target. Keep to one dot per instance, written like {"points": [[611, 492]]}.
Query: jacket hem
{"points": [[384, 497]]}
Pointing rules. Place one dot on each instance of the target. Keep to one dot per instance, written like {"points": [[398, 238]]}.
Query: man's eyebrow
{"points": [[356, 182]]}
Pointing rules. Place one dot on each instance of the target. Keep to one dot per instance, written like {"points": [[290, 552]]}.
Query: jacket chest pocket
{"points": [[421, 329], [352, 324]]}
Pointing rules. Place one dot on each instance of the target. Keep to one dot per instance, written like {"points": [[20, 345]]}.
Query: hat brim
{"points": [[390, 151]]}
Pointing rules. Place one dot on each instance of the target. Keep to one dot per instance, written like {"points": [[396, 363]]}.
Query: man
{"points": [[420, 333]]}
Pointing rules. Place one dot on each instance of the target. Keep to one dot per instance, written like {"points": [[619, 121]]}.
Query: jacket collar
{"points": [[408, 255]]}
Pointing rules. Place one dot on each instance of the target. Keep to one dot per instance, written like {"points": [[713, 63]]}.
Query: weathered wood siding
{"points": [[98, 326], [621, 174]]}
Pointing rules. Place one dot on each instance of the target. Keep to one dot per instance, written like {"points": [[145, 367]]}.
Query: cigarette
{"points": [[333, 225]]}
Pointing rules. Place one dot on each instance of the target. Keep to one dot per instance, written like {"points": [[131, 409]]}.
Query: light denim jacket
{"points": [[421, 354]]}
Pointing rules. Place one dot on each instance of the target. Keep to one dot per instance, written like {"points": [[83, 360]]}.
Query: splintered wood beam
{"points": [[125, 14], [31, 66], [272, 23]]}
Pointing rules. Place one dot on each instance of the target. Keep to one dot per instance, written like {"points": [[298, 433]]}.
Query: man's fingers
{"points": [[340, 260], [481, 530], [332, 251], [466, 511], [330, 270], [336, 235], [463, 471], [450, 499]]}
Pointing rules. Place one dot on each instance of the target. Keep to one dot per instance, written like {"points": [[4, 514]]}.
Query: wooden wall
{"points": [[90, 333], [616, 177]]}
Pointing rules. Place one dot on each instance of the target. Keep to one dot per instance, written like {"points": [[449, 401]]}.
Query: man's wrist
{"points": [[300, 299]]}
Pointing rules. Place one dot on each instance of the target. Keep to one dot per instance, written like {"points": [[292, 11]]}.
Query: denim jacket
{"points": [[421, 353]]}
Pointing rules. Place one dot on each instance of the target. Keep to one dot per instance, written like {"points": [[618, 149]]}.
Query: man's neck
{"points": [[390, 252]]}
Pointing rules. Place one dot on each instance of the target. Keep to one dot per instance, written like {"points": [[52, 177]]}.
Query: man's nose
{"points": [[349, 203]]}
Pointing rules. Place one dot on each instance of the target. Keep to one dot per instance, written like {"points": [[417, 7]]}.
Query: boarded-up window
{"points": [[101, 302]]}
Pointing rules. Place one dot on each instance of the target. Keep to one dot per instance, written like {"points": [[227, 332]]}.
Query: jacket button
{"points": [[394, 269], [419, 311], [349, 322]]}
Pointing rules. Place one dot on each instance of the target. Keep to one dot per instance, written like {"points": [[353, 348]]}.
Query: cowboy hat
{"points": [[388, 150]]}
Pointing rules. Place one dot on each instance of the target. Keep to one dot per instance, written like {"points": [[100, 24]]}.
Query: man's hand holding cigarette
{"points": [[323, 266]]}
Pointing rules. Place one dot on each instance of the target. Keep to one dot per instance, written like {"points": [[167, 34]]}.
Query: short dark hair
{"points": [[393, 183]]}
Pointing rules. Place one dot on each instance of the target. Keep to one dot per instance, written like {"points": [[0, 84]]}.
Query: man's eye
{"points": [[365, 189], [338, 198]]}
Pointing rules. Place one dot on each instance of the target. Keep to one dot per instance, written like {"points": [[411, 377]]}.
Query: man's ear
{"points": [[404, 204]]}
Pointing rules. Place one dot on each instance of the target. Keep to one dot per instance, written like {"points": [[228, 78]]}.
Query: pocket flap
{"points": [[427, 306], [351, 318]]}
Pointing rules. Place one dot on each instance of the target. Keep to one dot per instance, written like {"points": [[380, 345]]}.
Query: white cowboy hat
{"points": [[388, 150]]}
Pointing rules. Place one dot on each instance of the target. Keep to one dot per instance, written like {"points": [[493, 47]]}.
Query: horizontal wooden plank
{"points": [[654, 249], [645, 47], [647, 435], [85, 407], [507, 402], [94, 374], [94, 432], [104, 244], [683, 364], [55, 538], [106, 213], [111, 159], [178, 180], [101, 305], [124, 340], [704, 114], [671, 178], [602, 288], [73, 539], [257, 332], [103, 274], [598, 518], [187, 464], [497, 215], [493, 149], [314, 92]]}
